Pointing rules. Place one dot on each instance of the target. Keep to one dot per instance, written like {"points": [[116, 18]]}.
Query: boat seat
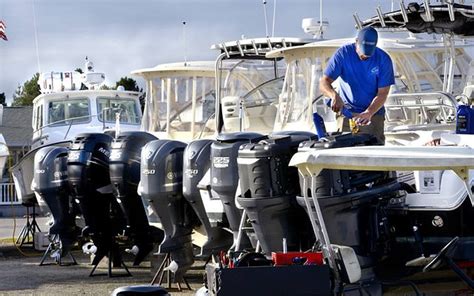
{"points": [[149, 290]]}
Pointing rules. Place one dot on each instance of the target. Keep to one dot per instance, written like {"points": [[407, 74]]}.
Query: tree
{"points": [[3, 99], [128, 84], [25, 94], [105, 87]]}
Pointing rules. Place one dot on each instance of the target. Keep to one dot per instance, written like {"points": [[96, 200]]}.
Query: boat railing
{"points": [[8, 194], [420, 108]]}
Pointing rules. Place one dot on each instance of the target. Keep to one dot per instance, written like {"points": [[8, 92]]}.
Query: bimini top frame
{"points": [[256, 48], [449, 19]]}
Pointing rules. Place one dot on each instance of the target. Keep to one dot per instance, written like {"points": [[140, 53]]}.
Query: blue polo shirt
{"points": [[360, 80]]}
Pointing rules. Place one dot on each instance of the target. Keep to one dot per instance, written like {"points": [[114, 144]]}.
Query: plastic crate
{"points": [[288, 258]]}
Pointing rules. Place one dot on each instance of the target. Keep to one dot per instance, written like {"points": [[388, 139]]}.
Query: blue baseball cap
{"points": [[367, 40]]}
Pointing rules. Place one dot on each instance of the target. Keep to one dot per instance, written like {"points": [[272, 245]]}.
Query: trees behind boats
{"points": [[25, 94]]}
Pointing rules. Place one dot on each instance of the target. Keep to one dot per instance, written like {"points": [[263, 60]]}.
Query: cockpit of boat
{"points": [[249, 84], [180, 100], [63, 109], [422, 98]]}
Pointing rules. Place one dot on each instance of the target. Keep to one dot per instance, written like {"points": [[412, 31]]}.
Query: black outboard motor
{"points": [[353, 202], [89, 181], [269, 192], [162, 187], [125, 175], [197, 162], [225, 176], [51, 183]]}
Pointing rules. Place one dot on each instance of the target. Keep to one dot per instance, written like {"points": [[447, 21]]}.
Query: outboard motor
{"points": [[89, 181], [125, 175], [353, 202], [197, 162], [225, 176], [51, 183], [269, 192], [162, 187]]}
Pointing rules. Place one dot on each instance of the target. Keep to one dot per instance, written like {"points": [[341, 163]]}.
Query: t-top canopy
{"points": [[185, 69], [256, 48], [450, 18]]}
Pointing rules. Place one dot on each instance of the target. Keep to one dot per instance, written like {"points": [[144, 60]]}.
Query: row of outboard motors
{"points": [[122, 185]]}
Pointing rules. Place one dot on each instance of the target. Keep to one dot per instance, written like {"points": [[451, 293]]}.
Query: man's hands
{"points": [[337, 104], [363, 118]]}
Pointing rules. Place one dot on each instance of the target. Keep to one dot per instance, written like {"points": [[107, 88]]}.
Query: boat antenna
{"points": [[184, 43], [274, 17], [36, 37], [321, 18], [265, 16]]}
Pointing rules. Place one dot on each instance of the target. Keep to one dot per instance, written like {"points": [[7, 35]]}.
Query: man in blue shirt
{"points": [[366, 74]]}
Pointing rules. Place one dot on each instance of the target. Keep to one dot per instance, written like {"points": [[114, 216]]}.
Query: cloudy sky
{"points": [[123, 35]]}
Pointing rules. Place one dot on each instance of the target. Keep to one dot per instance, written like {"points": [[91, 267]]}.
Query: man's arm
{"points": [[377, 103], [325, 87]]}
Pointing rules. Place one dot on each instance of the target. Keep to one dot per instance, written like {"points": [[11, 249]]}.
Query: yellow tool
{"points": [[353, 126]]}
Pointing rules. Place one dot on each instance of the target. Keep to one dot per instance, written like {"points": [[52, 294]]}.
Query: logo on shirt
{"points": [[375, 70]]}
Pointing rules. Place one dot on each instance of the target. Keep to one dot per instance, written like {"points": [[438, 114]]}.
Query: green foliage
{"points": [[3, 99], [25, 94], [105, 87], [128, 84]]}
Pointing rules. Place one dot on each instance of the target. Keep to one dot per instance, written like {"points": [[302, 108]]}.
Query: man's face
{"points": [[359, 52]]}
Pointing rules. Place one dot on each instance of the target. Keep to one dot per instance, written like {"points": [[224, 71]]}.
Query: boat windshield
{"points": [[180, 104], [110, 106], [64, 111], [300, 96], [249, 92]]}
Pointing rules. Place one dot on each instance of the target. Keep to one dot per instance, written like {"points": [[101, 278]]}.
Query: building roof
{"points": [[16, 126]]}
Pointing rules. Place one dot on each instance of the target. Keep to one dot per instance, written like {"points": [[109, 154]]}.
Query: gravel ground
{"points": [[20, 275]]}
